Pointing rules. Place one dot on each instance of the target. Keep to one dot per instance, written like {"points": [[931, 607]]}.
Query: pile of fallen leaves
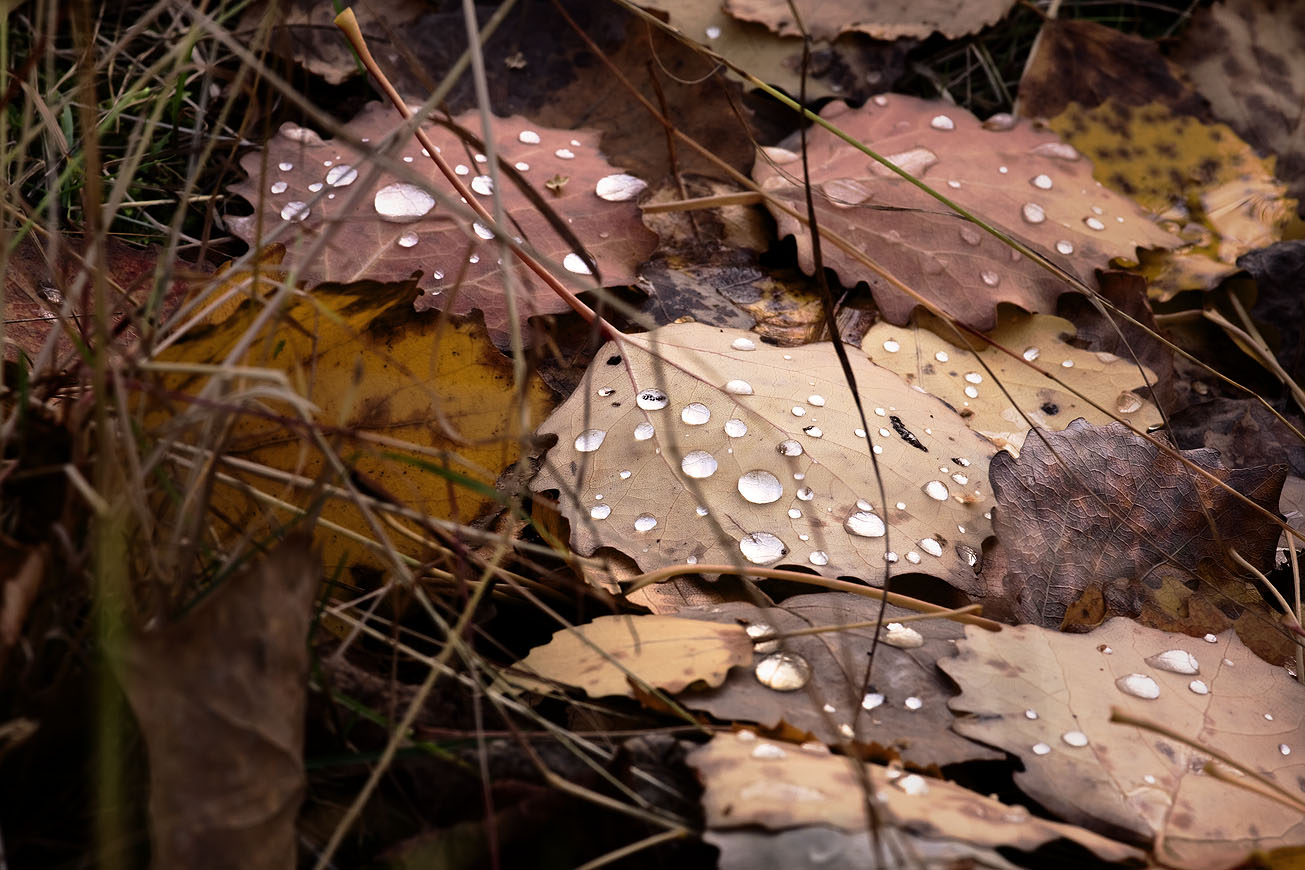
{"points": [[916, 502]]}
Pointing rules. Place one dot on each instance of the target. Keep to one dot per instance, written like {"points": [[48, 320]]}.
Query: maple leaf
{"points": [[342, 219], [1096, 521], [1026, 182], [695, 444], [923, 358], [1046, 697]]}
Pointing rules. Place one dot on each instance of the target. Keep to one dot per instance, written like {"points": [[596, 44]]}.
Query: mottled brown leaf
{"points": [[882, 19], [1098, 511]]}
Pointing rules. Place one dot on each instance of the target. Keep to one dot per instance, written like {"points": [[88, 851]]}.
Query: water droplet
{"points": [[739, 388], [600, 511], [1211, 638], [890, 557], [1139, 686], [865, 524], [760, 487], [1041, 182], [972, 392], [966, 552], [913, 784], [971, 236], [402, 202], [859, 432], [783, 672], [1268, 717], [1094, 224], [1105, 650], [902, 636], [913, 703], [845, 192], [871, 700], [942, 122], [698, 464], [941, 356], [1178, 661], [589, 440], [473, 259], [645, 523], [1030, 714], [1067, 364], [573, 262], [937, 490], [813, 431], [295, 211], [625, 475], [278, 187], [461, 169], [913, 557], [743, 344], [930, 546], [794, 514], [1041, 749], [761, 548], [285, 167], [1127, 403], [818, 557], [408, 240], [1199, 687], [768, 751], [695, 414], [892, 346], [619, 187], [1003, 169], [643, 432], [342, 175], [746, 736], [806, 493], [1074, 738], [713, 32], [483, 185], [1059, 150], [652, 399], [989, 277], [483, 231], [1031, 353], [799, 411], [759, 630], [1065, 246], [789, 448], [1033, 213], [736, 428], [1284, 749], [816, 399], [846, 730], [528, 137]]}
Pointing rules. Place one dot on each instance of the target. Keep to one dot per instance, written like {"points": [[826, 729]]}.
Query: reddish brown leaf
{"points": [[882, 20], [1027, 182], [342, 219], [1097, 522]]}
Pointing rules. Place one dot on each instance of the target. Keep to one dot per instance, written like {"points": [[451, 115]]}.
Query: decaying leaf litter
{"points": [[374, 372]]}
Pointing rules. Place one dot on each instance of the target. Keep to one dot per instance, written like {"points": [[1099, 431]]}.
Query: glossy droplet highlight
{"points": [[1094, 224], [872, 700], [736, 428], [407, 240], [402, 202], [806, 493], [743, 344], [913, 703], [341, 176], [930, 546], [819, 558], [483, 185], [645, 523], [698, 464], [738, 388], [619, 187], [1033, 213], [600, 511], [902, 636], [695, 414], [482, 231], [1178, 661], [643, 432], [1030, 354], [651, 399], [278, 187], [574, 263], [1041, 749], [1065, 246], [783, 672], [892, 346], [1139, 686], [768, 751], [788, 448], [590, 440], [942, 122], [1128, 403], [865, 524], [760, 487], [1199, 687], [937, 490], [295, 211], [1074, 738], [1041, 182], [759, 630], [989, 277], [528, 137]]}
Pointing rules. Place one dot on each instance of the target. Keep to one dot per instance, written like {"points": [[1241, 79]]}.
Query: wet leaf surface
{"points": [[343, 219], [903, 713], [1046, 697], [1029, 183], [1096, 522], [702, 445], [825, 20]]}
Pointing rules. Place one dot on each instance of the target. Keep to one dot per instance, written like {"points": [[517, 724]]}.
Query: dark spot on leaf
{"points": [[1050, 408], [614, 360]]}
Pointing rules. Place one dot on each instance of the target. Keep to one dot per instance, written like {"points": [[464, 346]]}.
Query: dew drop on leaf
{"points": [[902, 636], [819, 558], [600, 511], [1074, 738], [743, 344], [936, 490], [295, 211], [806, 493], [942, 122], [736, 428], [783, 672], [990, 278], [1041, 749], [1139, 686], [760, 487], [738, 388], [590, 440], [645, 523], [930, 546], [341, 176], [892, 346], [698, 464], [1199, 687], [1030, 354], [278, 187], [1094, 224], [759, 630], [1178, 661], [871, 700], [619, 187], [528, 137], [402, 202], [1065, 246], [1033, 213], [695, 414], [1128, 403], [789, 448], [576, 264], [643, 432], [651, 400], [864, 524], [483, 185], [913, 703], [768, 751]]}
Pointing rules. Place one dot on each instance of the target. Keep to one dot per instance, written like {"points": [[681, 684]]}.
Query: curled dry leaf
{"points": [[342, 218], [923, 358], [665, 652], [751, 781], [1096, 521], [1200, 180], [823, 19], [698, 444], [1046, 697], [904, 711], [1026, 182]]}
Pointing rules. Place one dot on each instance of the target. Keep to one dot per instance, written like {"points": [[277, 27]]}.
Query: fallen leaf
{"points": [[904, 709], [1245, 58], [1026, 182], [380, 377], [924, 358], [751, 781], [818, 847], [662, 651], [220, 696], [1199, 179], [701, 445], [342, 219], [882, 20], [1046, 698], [1097, 509]]}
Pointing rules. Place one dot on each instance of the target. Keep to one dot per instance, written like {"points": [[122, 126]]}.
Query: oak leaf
{"points": [[891, 20]]}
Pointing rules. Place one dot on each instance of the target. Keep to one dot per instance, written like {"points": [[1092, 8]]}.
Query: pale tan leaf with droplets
{"points": [[1046, 697], [920, 354], [664, 456], [825, 19], [663, 651]]}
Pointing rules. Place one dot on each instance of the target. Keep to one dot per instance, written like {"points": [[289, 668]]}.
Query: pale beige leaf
{"points": [[882, 19], [920, 354], [701, 478], [1046, 697], [663, 651]]}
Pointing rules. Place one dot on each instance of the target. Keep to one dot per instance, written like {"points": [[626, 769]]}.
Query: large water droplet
{"points": [[483, 231], [783, 672], [1033, 213], [892, 346], [937, 490], [295, 211], [341, 176], [768, 751], [819, 558], [1199, 687], [743, 344], [738, 388], [913, 784], [971, 236], [279, 187], [1094, 224], [736, 428], [813, 432], [789, 448], [1284, 749], [1059, 150], [402, 202], [651, 399], [1139, 686], [930, 546], [913, 703], [573, 262], [1031, 353], [600, 511], [865, 524], [872, 700], [942, 122], [698, 464], [528, 137], [806, 493], [695, 414], [1128, 403], [645, 523], [643, 432], [1065, 246], [619, 187], [1041, 182], [483, 185], [1041, 749], [760, 487], [758, 630], [1178, 661], [902, 636], [589, 440], [1074, 738], [564, 154], [989, 277], [408, 240], [968, 554]]}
